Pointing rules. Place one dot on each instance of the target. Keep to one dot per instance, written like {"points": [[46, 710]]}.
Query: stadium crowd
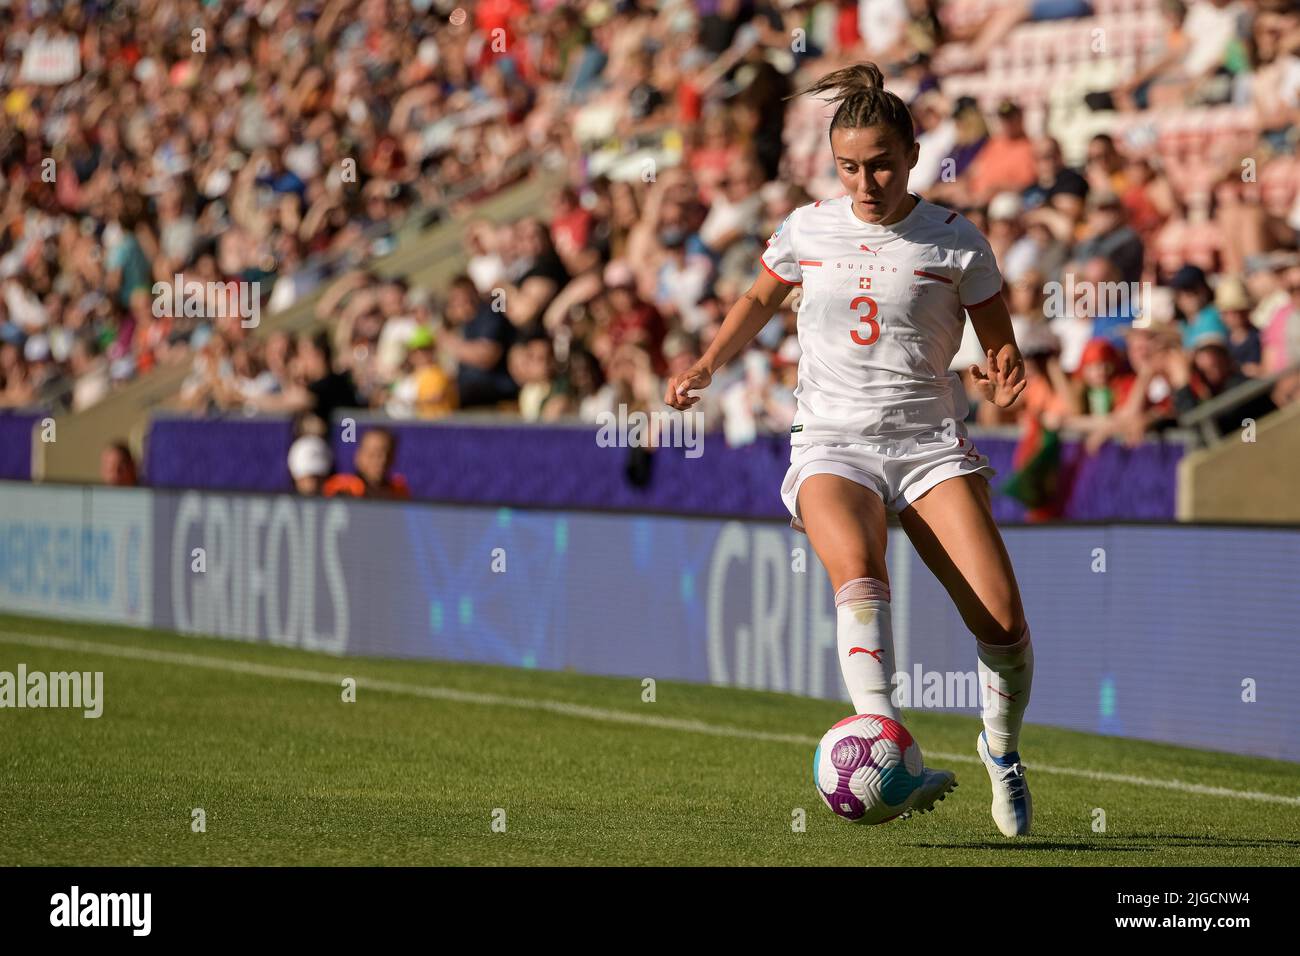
{"points": [[1168, 178]]}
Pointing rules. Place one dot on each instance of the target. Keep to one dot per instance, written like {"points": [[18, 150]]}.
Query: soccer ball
{"points": [[866, 767]]}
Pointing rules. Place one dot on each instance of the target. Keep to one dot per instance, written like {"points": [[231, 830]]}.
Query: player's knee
{"points": [[1001, 629], [851, 570]]}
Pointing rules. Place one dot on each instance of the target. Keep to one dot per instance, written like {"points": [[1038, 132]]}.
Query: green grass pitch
{"points": [[586, 773]]}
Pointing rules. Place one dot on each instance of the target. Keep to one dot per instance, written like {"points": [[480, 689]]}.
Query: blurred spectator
{"points": [[532, 365], [1048, 392], [1107, 235], [1105, 166], [1281, 337], [734, 209], [485, 266], [577, 384], [631, 383], [1208, 372], [1233, 303], [310, 464], [936, 135], [990, 31], [477, 339], [571, 227], [1015, 250], [1060, 187], [1265, 283], [425, 391], [684, 277], [972, 136], [1113, 304], [323, 389], [1211, 28], [116, 466], [1147, 198], [632, 321], [374, 465], [1150, 402], [1007, 160], [1163, 70], [1105, 380], [1194, 301], [537, 273]]}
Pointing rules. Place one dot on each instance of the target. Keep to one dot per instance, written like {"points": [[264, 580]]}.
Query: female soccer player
{"points": [[885, 278]]}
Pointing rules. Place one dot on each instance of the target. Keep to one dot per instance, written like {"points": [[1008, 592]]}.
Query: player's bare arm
{"points": [[752, 311], [1003, 378]]}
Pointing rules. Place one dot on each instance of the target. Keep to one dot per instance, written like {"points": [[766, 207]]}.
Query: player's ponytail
{"points": [[864, 101]]}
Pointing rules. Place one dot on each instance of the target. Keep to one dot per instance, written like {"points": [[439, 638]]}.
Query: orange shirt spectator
{"points": [[353, 486], [1006, 163], [374, 464]]}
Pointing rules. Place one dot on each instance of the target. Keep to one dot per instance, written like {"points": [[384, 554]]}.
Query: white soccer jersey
{"points": [[880, 317]]}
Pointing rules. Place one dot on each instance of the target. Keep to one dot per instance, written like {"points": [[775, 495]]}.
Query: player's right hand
{"points": [[695, 378]]}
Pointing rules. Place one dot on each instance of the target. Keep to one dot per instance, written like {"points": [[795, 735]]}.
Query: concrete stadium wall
{"points": [[1253, 481], [1184, 635]]}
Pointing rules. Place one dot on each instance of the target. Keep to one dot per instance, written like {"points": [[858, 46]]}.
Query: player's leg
{"points": [[845, 522], [951, 526]]}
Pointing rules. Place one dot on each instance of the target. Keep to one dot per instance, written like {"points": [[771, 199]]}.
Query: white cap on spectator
{"points": [[310, 457], [1005, 206]]}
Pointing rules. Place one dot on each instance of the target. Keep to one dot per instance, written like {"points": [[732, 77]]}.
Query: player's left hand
{"points": [[1004, 380]]}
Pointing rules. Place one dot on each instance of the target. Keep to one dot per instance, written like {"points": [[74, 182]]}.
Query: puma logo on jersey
{"points": [[863, 650], [869, 249]]}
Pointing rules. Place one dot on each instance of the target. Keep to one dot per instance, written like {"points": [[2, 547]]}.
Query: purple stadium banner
{"points": [[16, 444], [229, 454], [564, 467]]}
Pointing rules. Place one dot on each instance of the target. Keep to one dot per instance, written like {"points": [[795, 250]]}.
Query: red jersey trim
{"points": [[775, 276], [930, 275]]}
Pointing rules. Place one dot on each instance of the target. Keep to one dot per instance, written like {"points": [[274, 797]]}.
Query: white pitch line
{"points": [[563, 708]]}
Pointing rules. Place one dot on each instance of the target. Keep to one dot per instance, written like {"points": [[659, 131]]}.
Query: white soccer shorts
{"points": [[898, 470]]}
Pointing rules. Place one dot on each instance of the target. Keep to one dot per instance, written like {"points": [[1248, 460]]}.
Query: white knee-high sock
{"points": [[866, 645], [1006, 675]]}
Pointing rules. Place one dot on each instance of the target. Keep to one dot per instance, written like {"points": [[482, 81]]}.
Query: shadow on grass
{"points": [[1026, 846], [1120, 843], [1190, 839]]}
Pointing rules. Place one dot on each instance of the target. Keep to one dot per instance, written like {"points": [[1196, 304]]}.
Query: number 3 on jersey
{"points": [[868, 319]]}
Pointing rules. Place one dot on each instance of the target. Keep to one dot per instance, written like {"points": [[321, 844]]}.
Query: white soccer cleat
{"points": [[1013, 810], [936, 785]]}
